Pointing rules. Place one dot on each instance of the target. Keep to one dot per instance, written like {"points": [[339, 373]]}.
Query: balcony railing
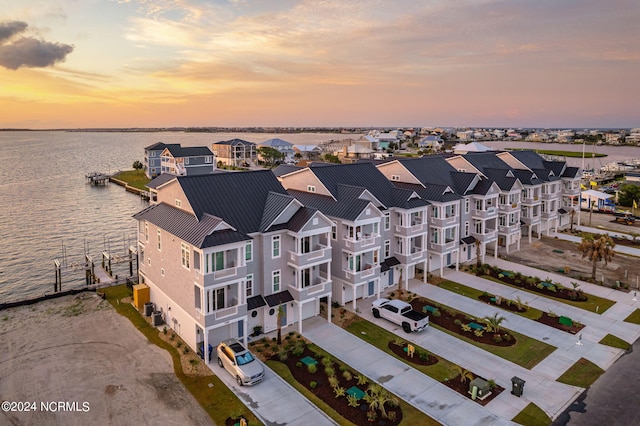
{"points": [[319, 253], [411, 230], [363, 241]]}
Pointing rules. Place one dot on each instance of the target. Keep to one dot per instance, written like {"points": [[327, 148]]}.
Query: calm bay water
{"points": [[47, 208]]}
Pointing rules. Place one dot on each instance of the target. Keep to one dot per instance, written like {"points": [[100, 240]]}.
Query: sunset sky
{"points": [[163, 63]]}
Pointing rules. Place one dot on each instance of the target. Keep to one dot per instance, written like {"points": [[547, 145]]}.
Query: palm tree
{"points": [[597, 250], [493, 323], [377, 397], [464, 374], [279, 320]]}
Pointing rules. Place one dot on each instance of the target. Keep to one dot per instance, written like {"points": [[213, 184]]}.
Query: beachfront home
{"points": [[491, 167], [464, 216], [286, 148], [379, 237], [187, 161], [227, 252], [152, 163], [235, 152]]}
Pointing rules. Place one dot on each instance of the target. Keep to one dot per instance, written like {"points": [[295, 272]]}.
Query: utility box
{"points": [[482, 388], [156, 319], [148, 309], [141, 295], [517, 386]]}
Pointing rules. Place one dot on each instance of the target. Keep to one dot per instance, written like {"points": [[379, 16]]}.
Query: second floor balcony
{"points": [[409, 230], [317, 253], [318, 285], [486, 236]]}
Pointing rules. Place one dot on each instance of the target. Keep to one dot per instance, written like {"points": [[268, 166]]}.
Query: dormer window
{"points": [[178, 203]]}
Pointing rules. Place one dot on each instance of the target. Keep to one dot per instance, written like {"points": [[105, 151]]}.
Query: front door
{"points": [[371, 288], [283, 318], [391, 276], [240, 329], [270, 319], [448, 259]]}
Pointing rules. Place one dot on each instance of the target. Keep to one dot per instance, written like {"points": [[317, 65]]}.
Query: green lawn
{"points": [[134, 178], [574, 154], [593, 304], [582, 374], [614, 341], [634, 317], [379, 338], [526, 352], [217, 400], [532, 415], [472, 293]]}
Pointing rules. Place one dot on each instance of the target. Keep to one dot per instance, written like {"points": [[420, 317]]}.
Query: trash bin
{"points": [[517, 386], [148, 309], [156, 318]]}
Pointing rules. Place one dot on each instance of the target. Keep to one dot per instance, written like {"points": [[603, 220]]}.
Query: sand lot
{"points": [[77, 350]]}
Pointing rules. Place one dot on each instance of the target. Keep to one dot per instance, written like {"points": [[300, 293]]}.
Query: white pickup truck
{"points": [[400, 313]]}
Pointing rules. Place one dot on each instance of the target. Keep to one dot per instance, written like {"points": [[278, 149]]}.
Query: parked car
{"points": [[401, 313], [239, 362]]}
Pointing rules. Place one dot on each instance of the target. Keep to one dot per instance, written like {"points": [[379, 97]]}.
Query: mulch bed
{"points": [[447, 320], [513, 307], [553, 322], [560, 292], [463, 389], [356, 415]]}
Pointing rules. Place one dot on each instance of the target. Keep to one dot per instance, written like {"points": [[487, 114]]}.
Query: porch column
{"points": [[205, 347], [495, 252], [406, 277], [441, 265], [519, 242], [530, 231], [354, 298], [300, 317], [458, 259], [426, 270], [328, 307], [245, 327], [483, 252], [539, 230]]}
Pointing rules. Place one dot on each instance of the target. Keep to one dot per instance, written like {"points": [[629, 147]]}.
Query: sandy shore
{"points": [[76, 350]]}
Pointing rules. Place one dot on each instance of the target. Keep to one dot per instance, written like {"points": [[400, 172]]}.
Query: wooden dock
{"points": [[97, 178]]}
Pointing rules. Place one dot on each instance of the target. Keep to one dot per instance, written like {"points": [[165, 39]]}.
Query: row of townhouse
{"points": [[227, 252]]}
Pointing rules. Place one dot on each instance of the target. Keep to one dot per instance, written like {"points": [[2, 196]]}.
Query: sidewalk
{"points": [[417, 389]]}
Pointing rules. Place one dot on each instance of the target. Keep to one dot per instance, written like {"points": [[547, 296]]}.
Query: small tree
{"points": [[269, 154], [137, 165], [493, 323], [597, 250], [279, 320]]}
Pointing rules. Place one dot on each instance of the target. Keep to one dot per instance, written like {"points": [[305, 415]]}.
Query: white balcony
{"points": [[319, 254]]}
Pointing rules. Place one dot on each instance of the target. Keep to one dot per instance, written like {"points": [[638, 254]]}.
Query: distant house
{"points": [[235, 152], [187, 161], [152, 162], [281, 145], [463, 148], [352, 153], [434, 142], [308, 152]]}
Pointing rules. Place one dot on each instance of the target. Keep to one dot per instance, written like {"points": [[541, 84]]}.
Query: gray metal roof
{"points": [[235, 142], [160, 146], [186, 227], [327, 205], [434, 193], [284, 169], [239, 198], [189, 151], [160, 180], [274, 205], [501, 177]]}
